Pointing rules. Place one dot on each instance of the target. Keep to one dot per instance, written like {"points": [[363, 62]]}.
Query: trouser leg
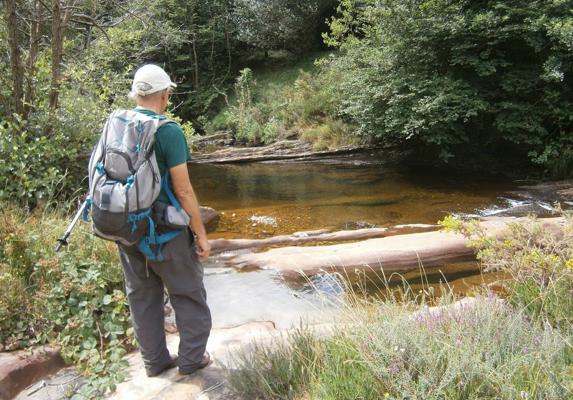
{"points": [[182, 274], [145, 296], [194, 324]]}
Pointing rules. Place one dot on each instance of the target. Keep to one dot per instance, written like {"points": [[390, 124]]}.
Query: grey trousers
{"points": [[182, 274]]}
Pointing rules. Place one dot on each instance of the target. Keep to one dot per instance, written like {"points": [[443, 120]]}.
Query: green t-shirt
{"points": [[170, 148]]}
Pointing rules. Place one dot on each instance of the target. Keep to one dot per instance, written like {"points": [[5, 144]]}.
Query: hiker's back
{"points": [[124, 178]]}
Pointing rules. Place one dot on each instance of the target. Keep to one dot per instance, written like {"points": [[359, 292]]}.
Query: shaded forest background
{"points": [[452, 79]]}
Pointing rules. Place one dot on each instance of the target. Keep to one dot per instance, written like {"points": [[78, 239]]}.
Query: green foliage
{"points": [[458, 73], [280, 24], [331, 134], [540, 264], [74, 298], [249, 123], [481, 350], [202, 58], [33, 166], [285, 103]]}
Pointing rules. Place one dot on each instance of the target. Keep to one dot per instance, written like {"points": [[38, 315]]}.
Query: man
{"points": [[180, 271]]}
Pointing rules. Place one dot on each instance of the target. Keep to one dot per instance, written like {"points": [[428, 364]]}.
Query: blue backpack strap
{"points": [[166, 187], [85, 214], [157, 241], [134, 217], [144, 245]]}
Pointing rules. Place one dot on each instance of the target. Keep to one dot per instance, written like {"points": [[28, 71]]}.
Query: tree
{"points": [[280, 24], [459, 74], [14, 42]]}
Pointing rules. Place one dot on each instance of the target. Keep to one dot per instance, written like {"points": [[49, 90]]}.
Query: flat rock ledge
{"points": [[208, 215], [391, 254], [282, 150], [19, 369]]}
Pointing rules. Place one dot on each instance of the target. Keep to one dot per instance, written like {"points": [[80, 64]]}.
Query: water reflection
{"points": [[347, 192], [336, 193]]}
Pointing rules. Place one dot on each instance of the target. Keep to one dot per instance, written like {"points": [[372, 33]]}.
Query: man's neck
{"points": [[151, 107]]}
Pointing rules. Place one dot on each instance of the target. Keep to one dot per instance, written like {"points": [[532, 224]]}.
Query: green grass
{"points": [[280, 101], [269, 79]]}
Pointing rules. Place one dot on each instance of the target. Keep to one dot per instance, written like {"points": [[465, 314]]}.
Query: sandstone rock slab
{"points": [[20, 369]]}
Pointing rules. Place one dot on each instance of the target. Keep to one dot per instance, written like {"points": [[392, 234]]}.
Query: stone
{"points": [[20, 369], [208, 215], [398, 253], [208, 383]]}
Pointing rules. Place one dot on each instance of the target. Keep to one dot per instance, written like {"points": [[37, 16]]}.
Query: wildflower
{"points": [[569, 264], [386, 395], [524, 395]]}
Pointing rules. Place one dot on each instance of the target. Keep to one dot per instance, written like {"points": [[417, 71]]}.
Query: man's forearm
{"points": [[190, 204]]}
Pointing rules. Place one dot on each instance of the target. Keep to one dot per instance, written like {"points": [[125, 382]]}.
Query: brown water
{"points": [[340, 193], [361, 190]]}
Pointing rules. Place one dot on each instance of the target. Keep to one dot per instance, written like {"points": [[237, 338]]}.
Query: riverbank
{"points": [[88, 272], [514, 349]]}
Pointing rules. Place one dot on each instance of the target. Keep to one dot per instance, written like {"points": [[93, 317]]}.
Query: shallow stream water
{"points": [[258, 200]]}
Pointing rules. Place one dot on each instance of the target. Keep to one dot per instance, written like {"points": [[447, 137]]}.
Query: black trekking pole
{"points": [[63, 241]]}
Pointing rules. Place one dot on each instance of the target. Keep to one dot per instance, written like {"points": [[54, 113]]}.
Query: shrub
{"points": [[305, 107], [458, 74], [74, 298], [331, 134], [540, 263], [34, 167]]}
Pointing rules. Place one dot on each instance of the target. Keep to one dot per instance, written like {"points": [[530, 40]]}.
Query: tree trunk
{"points": [[32, 57], [196, 80], [57, 52], [15, 57], [229, 56]]}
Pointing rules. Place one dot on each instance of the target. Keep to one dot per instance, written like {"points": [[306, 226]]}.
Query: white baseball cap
{"points": [[149, 79]]}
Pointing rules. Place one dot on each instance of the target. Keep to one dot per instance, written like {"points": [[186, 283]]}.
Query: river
{"points": [[263, 199]]}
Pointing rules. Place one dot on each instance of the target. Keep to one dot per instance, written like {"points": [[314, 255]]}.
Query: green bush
{"points": [[540, 263], [331, 134], [304, 108], [74, 298], [458, 74], [34, 167]]}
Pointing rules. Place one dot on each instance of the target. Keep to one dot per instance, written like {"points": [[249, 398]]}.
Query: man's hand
{"points": [[203, 246]]}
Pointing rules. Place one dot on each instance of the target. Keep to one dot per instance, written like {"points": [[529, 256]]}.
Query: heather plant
{"points": [[475, 349]]}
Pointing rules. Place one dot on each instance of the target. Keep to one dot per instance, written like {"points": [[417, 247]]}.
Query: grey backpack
{"points": [[124, 179]]}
